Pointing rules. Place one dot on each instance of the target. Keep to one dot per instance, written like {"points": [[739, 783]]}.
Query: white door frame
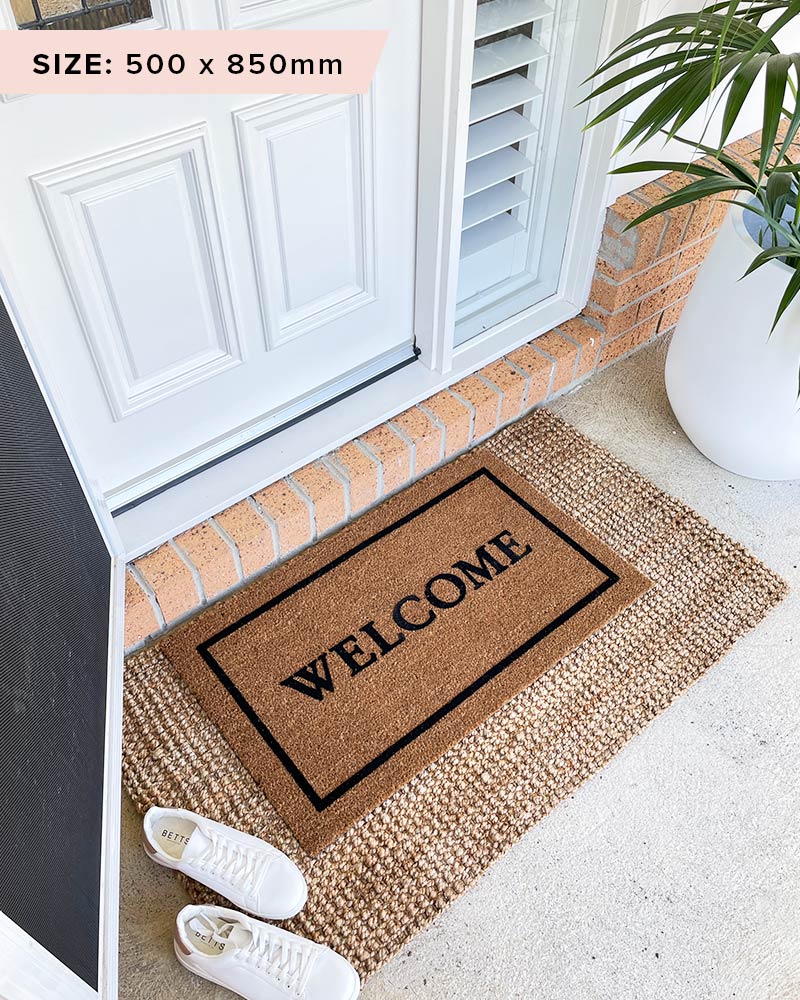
{"points": [[28, 971]]}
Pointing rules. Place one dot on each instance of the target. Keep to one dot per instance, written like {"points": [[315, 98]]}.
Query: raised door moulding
{"points": [[308, 171], [118, 221]]}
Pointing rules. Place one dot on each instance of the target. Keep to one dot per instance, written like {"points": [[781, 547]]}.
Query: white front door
{"points": [[194, 272]]}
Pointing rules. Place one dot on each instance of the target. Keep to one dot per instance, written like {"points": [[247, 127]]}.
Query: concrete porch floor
{"points": [[672, 874]]}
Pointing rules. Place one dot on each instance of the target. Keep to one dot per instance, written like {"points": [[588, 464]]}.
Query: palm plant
{"points": [[714, 57]]}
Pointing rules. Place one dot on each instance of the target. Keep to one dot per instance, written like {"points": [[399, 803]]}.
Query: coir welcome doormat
{"points": [[393, 871], [352, 667]]}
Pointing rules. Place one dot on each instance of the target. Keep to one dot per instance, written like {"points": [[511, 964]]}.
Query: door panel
{"points": [[139, 244], [309, 176], [193, 271]]}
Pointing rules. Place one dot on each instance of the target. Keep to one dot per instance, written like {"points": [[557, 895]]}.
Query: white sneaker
{"points": [[247, 871], [257, 960]]}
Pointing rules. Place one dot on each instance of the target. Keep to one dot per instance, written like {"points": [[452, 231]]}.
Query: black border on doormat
{"points": [[322, 802]]}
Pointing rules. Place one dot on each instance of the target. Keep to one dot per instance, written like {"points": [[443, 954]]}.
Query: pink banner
{"points": [[188, 62]]}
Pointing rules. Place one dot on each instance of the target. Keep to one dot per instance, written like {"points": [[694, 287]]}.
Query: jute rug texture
{"points": [[393, 871]]}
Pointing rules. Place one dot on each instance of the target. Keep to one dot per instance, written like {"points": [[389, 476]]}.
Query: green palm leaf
{"points": [[774, 253], [791, 293], [727, 161], [695, 54], [668, 166], [774, 92], [740, 88], [697, 190], [719, 53]]}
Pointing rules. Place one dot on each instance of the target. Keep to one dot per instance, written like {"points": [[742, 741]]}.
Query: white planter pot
{"points": [[733, 388]]}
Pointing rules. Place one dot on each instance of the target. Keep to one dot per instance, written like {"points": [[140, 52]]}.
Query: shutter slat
{"points": [[493, 201], [498, 166], [502, 15], [503, 56], [501, 95], [488, 234], [494, 133]]}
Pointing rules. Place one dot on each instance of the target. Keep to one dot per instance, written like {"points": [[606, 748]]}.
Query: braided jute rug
{"points": [[395, 870]]}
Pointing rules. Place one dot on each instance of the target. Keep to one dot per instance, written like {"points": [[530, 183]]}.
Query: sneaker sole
{"points": [[180, 951]]}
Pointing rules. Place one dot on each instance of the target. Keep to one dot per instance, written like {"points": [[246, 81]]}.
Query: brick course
{"points": [[170, 580], [362, 473], [140, 615], [393, 453], [485, 401], [510, 383], [539, 368], [251, 535], [456, 418], [212, 557], [425, 435], [564, 353], [326, 492], [284, 507]]}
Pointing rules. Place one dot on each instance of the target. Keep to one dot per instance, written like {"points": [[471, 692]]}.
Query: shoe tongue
{"points": [[198, 844]]}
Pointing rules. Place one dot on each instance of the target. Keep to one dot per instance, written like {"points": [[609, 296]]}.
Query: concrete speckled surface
{"points": [[675, 872]]}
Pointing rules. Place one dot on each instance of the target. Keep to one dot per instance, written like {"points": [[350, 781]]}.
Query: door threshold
{"points": [[271, 432], [205, 455], [238, 475]]}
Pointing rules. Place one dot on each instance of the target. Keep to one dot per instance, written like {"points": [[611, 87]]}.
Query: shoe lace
{"points": [[287, 961], [232, 861]]}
